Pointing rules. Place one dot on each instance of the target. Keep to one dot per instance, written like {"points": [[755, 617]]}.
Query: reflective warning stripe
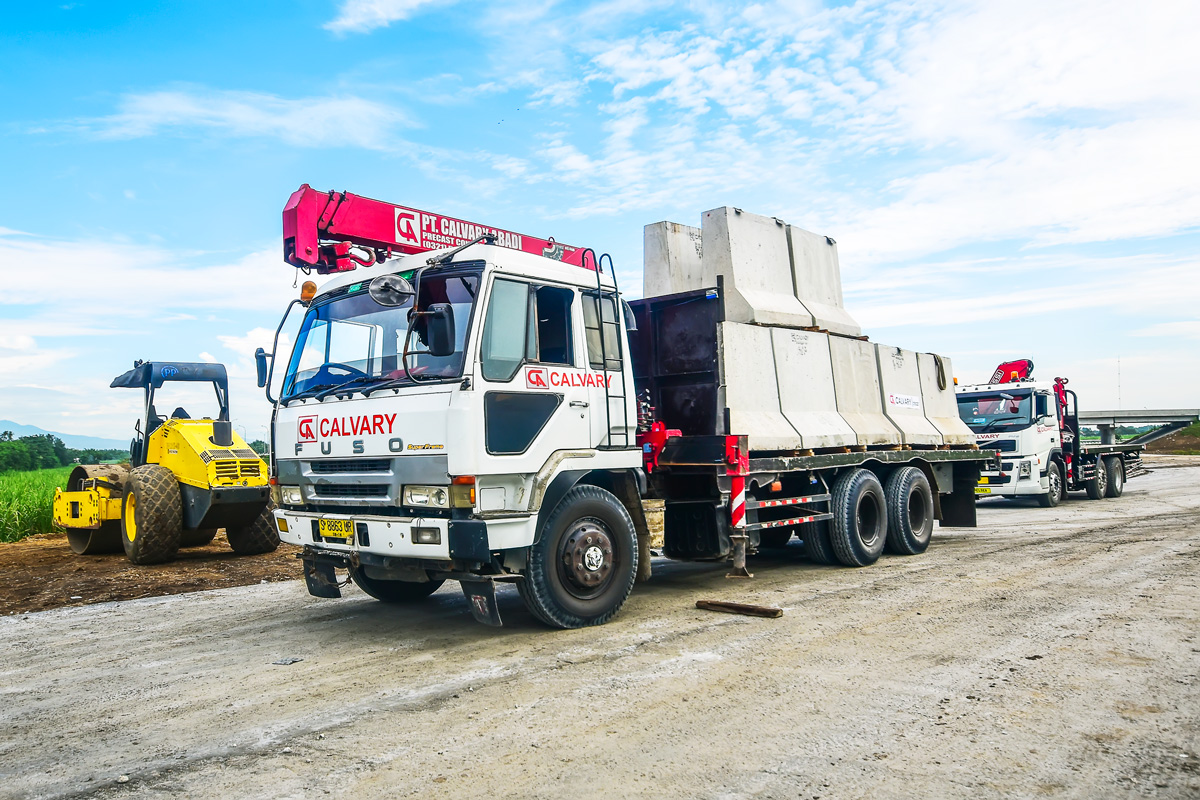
{"points": [[737, 505]]}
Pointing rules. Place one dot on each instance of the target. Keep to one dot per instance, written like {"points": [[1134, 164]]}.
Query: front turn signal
{"points": [[462, 491]]}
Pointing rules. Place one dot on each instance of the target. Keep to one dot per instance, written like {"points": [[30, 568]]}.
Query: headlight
{"points": [[435, 496], [291, 496], [1026, 468]]}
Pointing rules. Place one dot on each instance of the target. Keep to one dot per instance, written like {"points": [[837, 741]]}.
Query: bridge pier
{"points": [[1107, 434]]}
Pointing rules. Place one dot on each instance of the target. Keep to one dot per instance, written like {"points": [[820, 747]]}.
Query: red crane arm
{"points": [[320, 228]]}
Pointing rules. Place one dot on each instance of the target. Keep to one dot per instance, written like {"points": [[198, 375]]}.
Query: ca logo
{"points": [[407, 230]]}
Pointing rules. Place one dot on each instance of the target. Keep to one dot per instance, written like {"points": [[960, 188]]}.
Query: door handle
{"points": [[578, 404]]}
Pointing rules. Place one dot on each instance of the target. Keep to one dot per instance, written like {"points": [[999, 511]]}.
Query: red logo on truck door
{"points": [[549, 378], [307, 429]]}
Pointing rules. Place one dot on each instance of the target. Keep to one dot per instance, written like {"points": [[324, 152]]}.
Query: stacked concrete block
{"points": [[817, 279], [807, 396], [750, 254], [937, 396], [900, 387], [672, 260], [859, 400], [751, 391]]}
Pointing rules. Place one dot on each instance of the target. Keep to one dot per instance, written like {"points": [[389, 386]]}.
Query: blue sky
{"points": [[1004, 180]]}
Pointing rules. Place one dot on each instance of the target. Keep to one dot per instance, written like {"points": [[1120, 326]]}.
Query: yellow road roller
{"points": [[187, 478]]}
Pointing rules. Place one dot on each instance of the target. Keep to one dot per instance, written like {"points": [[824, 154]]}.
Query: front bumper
{"points": [[1012, 481], [392, 537]]}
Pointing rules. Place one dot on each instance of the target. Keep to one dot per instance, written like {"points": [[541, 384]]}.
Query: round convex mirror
{"points": [[390, 290]]}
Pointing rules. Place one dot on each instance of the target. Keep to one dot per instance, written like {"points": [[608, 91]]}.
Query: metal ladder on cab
{"points": [[607, 442]]}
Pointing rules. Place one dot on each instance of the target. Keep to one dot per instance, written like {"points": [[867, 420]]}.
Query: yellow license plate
{"points": [[335, 528], [982, 490]]}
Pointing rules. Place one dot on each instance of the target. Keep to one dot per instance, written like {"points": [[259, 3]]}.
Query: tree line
{"points": [[44, 451]]}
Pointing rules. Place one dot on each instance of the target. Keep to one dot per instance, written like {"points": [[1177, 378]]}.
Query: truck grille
{"points": [[237, 469], [350, 466], [1004, 446], [351, 490]]}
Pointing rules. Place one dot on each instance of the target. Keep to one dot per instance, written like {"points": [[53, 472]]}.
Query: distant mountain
{"points": [[69, 439]]}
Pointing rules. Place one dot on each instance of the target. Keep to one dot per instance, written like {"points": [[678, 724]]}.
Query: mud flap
{"points": [[481, 597], [321, 580]]}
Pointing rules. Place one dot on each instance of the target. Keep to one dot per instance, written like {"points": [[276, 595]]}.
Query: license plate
{"points": [[982, 490], [335, 528]]}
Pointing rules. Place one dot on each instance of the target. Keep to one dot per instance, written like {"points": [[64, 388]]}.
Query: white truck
{"points": [[1034, 427], [467, 403]]}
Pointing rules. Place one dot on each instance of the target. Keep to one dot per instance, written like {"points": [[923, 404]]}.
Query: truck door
{"points": [[604, 338], [535, 399]]}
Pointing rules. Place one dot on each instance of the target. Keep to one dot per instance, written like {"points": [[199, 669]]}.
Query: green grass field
{"points": [[26, 501]]}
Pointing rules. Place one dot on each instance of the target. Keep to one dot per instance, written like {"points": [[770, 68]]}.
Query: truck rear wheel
{"points": [[259, 537], [1054, 494], [1097, 487], [151, 515], [398, 592], [909, 512], [1115, 467], [859, 528], [817, 547], [581, 568]]}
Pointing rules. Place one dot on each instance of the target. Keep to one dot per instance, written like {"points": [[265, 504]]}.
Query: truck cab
{"points": [[386, 399], [1022, 422]]}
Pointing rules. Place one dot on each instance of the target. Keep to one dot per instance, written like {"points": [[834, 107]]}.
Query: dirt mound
{"points": [[41, 572], [1183, 442]]}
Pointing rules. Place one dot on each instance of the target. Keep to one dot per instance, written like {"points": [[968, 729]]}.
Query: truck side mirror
{"points": [[439, 329], [260, 362], [1041, 406]]}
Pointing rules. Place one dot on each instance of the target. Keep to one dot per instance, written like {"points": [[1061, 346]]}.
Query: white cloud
{"points": [[1183, 329], [360, 16], [346, 121]]}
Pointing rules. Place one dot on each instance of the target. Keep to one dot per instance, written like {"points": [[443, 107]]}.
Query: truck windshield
{"points": [[998, 410], [353, 340]]}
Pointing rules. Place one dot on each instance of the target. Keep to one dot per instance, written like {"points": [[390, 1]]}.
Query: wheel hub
{"points": [[587, 555]]}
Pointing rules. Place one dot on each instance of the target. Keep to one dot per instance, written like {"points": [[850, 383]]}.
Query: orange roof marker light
{"points": [[307, 290]]}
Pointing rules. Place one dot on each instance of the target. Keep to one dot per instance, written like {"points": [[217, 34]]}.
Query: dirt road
{"points": [[1047, 652]]}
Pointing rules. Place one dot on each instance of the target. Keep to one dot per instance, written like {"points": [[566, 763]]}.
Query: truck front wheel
{"points": [[859, 528], [393, 591], [1054, 493], [581, 569], [909, 512], [1097, 487], [1115, 467]]}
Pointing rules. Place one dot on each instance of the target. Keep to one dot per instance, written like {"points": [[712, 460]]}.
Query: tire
{"points": [[398, 592], [197, 537], [582, 567], [1115, 467], [859, 529], [259, 537], [1054, 494], [1097, 487], [774, 539], [909, 501], [817, 547], [151, 515]]}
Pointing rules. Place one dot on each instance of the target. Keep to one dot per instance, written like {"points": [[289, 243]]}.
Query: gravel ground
{"points": [[1048, 652]]}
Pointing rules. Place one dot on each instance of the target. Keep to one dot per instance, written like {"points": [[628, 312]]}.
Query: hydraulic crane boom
{"points": [[321, 228]]}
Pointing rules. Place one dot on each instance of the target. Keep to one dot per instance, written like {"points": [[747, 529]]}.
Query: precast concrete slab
{"points": [[937, 395], [856, 382], [672, 262], [751, 394], [750, 253], [804, 373], [900, 386], [817, 279]]}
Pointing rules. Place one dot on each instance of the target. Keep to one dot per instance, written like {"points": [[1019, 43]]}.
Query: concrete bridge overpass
{"points": [[1169, 420]]}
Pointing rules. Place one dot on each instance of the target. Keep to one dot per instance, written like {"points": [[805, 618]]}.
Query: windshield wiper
{"points": [[309, 392], [357, 379], [999, 419]]}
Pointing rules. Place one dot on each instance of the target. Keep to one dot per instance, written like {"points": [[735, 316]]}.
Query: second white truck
{"points": [[1034, 425]]}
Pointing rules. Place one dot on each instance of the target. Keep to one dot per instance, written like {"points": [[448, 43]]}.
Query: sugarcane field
{"points": [[776, 400]]}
